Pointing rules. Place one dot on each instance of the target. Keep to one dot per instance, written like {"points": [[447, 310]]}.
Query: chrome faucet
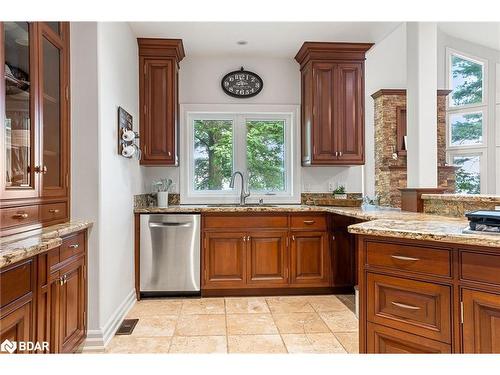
{"points": [[243, 194]]}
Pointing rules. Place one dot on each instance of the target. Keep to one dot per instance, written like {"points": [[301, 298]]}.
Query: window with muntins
{"points": [[467, 120]]}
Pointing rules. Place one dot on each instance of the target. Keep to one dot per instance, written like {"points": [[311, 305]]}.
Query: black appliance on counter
{"points": [[484, 220]]}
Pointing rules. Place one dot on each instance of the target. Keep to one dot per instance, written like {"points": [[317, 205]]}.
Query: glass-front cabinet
{"points": [[34, 114]]}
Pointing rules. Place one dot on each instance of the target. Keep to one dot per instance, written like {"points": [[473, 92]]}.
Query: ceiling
{"points": [[272, 39], [486, 34]]}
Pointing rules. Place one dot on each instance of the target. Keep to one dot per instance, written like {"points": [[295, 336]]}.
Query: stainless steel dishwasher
{"points": [[170, 255]]}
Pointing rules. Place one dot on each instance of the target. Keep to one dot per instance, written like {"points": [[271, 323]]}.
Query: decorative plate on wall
{"points": [[242, 84]]}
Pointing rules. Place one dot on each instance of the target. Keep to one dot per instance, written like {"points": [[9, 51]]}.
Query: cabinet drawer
{"points": [[53, 211], [72, 246], [384, 340], [15, 281], [480, 267], [244, 221], [412, 306], [16, 216], [432, 261], [312, 222]]}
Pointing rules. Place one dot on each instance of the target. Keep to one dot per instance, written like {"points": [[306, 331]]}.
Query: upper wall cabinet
{"points": [[159, 99], [332, 102], [34, 113]]}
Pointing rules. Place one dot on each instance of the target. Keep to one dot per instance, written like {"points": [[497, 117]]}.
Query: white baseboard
{"points": [[98, 339]]}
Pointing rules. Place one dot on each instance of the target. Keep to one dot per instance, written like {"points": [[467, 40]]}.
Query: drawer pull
{"points": [[21, 216], [75, 246], [405, 306], [401, 257], [54, 211], [309, 222]]}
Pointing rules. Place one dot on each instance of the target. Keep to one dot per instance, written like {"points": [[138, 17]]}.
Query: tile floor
{"points": [[292, 324]]}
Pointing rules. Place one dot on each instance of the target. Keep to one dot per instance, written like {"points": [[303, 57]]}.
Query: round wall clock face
{"points": [[242, 84]]}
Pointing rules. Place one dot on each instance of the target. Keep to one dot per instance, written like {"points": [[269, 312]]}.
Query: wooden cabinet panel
{"points": [[267, 258], [308, 222], [384, 340], [53, 212], [309, 259], [418, 259], [71, 305], [158, 127], [480, 267], [343, 253], [19, 216], [225, 263], [16, 281], [350, 129], [244, 222], [158, 95], [16, 326], [413, 306], [324, 98], [481, 322]]}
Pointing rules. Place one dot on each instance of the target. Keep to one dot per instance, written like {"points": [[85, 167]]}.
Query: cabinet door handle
{"points": [[244, 238], [309, 222], [63, 279], [54, 211], [340, 153], [74, 246], [293, 238], [402, 257], [23, 215], [405, 306]]}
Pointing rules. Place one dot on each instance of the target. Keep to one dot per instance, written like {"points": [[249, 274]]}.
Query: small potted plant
{"points": [[339, 192]]}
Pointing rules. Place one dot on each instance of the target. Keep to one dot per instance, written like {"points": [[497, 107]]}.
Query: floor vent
{"points": [[127, 327]]}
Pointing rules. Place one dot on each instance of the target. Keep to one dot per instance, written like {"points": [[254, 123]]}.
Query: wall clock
{"points": [[242, 84]]}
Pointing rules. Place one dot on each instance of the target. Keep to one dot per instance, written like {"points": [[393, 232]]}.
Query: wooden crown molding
{"points": [[331, 51], [161, 48], [375, 95]]}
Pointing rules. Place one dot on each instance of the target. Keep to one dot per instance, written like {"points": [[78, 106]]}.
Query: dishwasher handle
{"points": [[177, 225]]}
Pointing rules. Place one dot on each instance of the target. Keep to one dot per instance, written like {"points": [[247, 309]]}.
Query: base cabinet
{"points": [[225, 260], [265, 252], [46, 297], [310, 259], [16, 326], [427, 297], [384, 340], [481, 322]]}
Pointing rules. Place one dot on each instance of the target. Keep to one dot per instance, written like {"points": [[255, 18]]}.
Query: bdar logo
{"points": [[8, 346]]}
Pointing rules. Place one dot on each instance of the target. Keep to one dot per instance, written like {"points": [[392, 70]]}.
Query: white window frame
{"points": [[482, 163], [239, 114], [476, 149]]}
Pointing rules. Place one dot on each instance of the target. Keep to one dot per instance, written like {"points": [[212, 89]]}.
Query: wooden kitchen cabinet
{"points": [[159, 99], [332, 102], [69, 301], [224, 259], [310, 260], [425, 297], [481, 322], [35, 115], [44, 298], [267, 258], [258, 252]]}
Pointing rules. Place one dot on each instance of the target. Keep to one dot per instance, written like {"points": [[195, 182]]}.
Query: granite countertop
{"points": [[432, 229], [463, 197], [24, 245], [378, 221]]}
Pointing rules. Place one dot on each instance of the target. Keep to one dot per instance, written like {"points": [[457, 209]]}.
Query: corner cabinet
{"points": [[159, 99], [332, 79], [35, 117]]}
